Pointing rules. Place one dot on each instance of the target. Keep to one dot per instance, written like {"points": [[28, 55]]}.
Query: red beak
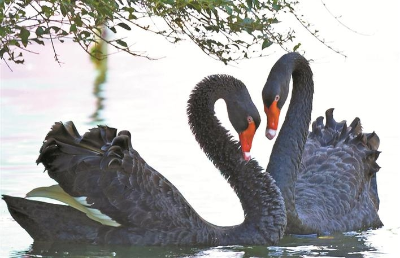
{"points": [[273, 113], [246, 140]]}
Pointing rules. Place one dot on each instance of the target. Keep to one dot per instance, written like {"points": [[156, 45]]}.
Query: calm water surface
{"points": [[149, 99]]}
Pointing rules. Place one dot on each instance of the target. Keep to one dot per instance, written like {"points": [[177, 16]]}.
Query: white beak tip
{"points": [[270, 133], [246, 155]]}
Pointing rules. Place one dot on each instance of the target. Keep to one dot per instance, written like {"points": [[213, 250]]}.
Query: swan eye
{"points": [[277, 97], [250, 119]]}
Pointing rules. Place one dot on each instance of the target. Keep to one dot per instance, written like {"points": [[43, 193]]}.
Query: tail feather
{"points": [[339, 135], [334, 133], [44, 221], [373, 141]]}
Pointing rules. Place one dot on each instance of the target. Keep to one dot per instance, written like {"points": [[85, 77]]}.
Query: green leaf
{"points": [[47, 11], [63, 33], [13, 42], [73, 28], [273, 21], [276, 6], [40, 31], [296, 47], [84, 35], [124, 25], [132, 16], [121, 43], [249, 3], [40, 42], [78, 20], [24, 35], [266, 43], [113, 29], [55, 28], [228, 10], [63, 9]]}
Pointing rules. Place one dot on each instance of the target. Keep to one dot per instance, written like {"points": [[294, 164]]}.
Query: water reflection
{"points": [[351, 244], [98, 93], [99, 60], [62, 250]]}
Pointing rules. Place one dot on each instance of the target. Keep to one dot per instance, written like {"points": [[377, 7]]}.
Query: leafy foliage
{"points": [[225, 30]]}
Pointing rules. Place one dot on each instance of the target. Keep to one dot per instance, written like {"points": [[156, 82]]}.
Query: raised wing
{"points": [[337, 179], [102, 171]]}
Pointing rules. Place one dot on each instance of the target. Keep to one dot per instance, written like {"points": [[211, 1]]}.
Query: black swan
{"points": [[131, 203], [328, 182]]}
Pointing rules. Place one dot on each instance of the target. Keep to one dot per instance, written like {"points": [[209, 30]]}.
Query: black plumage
{"points": [[102, 170], [327, 176]]}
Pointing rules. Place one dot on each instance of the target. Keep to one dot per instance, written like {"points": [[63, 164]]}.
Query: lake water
{"points": [[149, 99]]}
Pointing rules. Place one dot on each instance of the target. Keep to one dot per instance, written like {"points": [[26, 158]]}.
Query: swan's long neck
{"points": [[260, 198], [288, 149]]}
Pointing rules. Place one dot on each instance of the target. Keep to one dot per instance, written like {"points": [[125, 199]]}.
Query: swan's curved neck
{"points": [[288, 149], [260, 198]]}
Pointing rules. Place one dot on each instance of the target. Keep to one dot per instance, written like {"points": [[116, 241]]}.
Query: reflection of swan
{"points": [[137, 205], [332, 185]]}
